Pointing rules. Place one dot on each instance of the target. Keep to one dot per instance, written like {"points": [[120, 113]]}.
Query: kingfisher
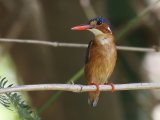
{"points": [[101, 56]]}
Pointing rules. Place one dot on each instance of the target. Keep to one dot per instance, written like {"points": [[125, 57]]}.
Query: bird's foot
{"points": [[97, 86], [112, 85]]}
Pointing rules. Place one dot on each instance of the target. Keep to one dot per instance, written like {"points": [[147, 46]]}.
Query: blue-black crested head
{"points": [[99, 21]]}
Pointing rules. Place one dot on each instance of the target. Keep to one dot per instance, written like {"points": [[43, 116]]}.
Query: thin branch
{"points": [[55, 96], [21, 20], [88, 8], [80, 88], [58, 44], [138, 49], [134, 22]]}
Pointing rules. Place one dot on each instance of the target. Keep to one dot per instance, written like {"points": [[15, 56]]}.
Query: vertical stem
{"points": [[55, 96]]}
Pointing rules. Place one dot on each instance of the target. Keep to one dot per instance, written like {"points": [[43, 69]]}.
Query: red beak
{"points": [[82, 27]]}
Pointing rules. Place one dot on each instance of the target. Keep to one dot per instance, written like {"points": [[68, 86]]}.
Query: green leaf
{"points": [[14, 99]]}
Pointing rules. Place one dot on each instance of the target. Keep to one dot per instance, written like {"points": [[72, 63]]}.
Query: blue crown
{"points": [[101, 20]]}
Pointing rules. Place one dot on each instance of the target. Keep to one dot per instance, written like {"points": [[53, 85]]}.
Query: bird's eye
{"points": [[95, 22], [99, 22]]}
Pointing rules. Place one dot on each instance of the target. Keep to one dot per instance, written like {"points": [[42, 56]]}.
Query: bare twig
{"points": [[58, 44], [138, 49], [149, 8], [21, 20], [88, 8], [81, 88], [134, 22]]}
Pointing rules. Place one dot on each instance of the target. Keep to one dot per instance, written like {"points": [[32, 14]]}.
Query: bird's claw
{"points": [[112, 86], [97, 86]]}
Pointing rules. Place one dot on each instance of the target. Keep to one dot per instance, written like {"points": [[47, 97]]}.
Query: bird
{"points": [[101, 56]]}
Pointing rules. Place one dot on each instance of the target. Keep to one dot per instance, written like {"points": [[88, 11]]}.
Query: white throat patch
{"points": [[109, 29], [96, 31], [104, 41]]}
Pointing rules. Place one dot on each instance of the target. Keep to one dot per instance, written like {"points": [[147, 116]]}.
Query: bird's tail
{"points": [[93, 99]]}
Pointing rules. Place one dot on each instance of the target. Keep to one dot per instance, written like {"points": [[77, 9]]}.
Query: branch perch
{"points": [[80, 88], [75, 45]]}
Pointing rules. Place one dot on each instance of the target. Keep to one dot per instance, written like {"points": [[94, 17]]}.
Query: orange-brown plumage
{"points": [[101, 56], [101, 62]]}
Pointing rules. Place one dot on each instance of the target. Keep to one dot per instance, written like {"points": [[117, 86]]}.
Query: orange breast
{"points": [[101, 62]]}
